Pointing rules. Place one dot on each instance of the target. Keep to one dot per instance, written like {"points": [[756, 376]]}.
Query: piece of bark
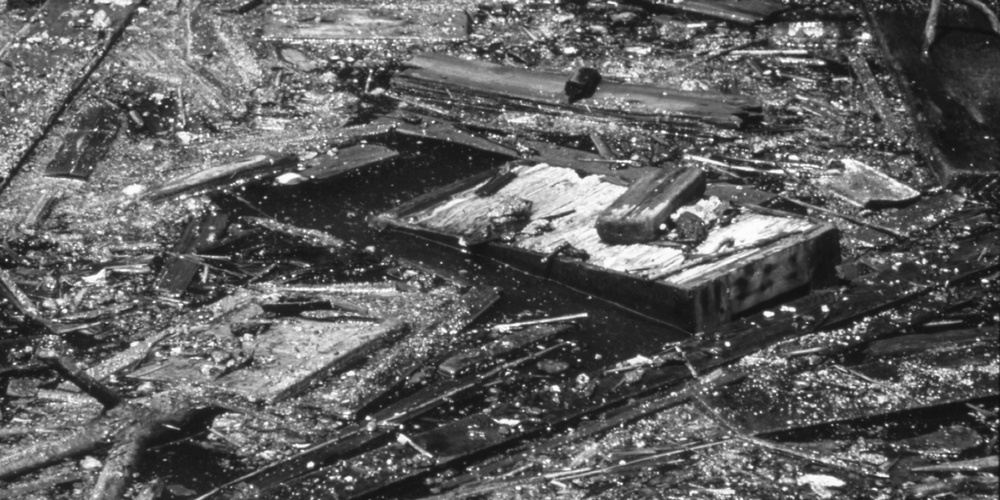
{"points": [[254, 167], [866, 187], [86, 144], [636, 216], [346, 160], [389, 22]]}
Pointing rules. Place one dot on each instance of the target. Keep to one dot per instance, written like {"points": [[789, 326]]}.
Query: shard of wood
{"points": [[636, 216]]}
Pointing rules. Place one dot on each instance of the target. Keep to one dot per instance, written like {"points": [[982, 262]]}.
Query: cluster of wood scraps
{"points": [[818, 264]]}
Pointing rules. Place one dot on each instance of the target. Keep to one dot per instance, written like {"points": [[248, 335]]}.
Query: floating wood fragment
{"points": [[345, 160], [39, 211], [866, 187], [696, 298], [636, 216], [388, 22], [457, 81], [86, 144], [238, 171], [451, 134], [179, 269]]}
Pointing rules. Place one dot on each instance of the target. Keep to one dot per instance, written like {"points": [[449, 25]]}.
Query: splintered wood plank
{"points": [[228, 174], [86, 144], [636, 216], [386, 22], [46, 63], [481, 85], [754, 258]]}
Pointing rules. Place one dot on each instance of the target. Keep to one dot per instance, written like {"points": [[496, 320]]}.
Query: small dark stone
{"points": [[582, 84], [690, 228]]}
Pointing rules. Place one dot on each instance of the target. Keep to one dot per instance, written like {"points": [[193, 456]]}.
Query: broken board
{"points": [[768, 256]]}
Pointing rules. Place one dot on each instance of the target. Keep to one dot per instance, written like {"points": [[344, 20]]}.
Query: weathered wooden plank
{"points": [[477, 84], [448, 133], [228, 174], [636, 216], [386, 22], [737, 11], [86, 144], [755, 257], [46, 63]]}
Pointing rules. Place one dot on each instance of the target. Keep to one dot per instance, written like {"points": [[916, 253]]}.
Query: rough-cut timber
{"points": [[46, 64], [951, 93], [388, 22], [86, 145], [636, 216], [738, 266], [451, 81]]}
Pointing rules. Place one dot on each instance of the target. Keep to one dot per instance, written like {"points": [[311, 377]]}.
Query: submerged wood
{"points": [[179, 269], [636, 216], [696, 298], [468, 82]]}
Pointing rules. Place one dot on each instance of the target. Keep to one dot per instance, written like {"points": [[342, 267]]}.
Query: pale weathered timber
{"points": [[345, 160], [765, 255], [637, 215]]}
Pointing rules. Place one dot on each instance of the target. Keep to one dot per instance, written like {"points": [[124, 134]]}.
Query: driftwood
{"points": [[636, 216], [180, 268], [737, 11]]}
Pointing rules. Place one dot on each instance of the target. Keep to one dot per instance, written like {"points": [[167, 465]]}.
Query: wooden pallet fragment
{"points": [[46, 63], [769, 254]]}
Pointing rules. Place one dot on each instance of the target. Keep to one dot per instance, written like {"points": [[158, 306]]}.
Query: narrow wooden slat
{"points": [[84, 146]]}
